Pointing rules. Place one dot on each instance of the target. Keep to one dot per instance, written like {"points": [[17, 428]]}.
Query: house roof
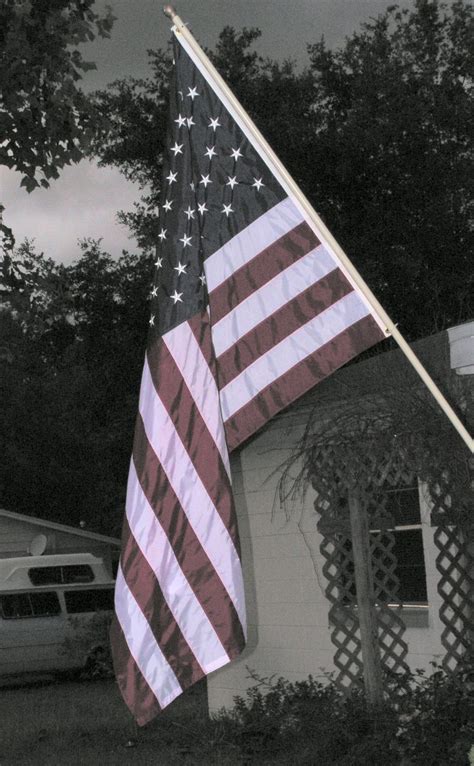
{"points": [[59, 527], [376, 375]]}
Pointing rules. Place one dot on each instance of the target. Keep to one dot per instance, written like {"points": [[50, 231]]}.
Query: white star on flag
{"points": [[210, 152], [162, 234], [176, 297], [227, 210], [214, 123], [171, 177], [159, 262], [202, 208], [258, 183], [205, 180], [189, 212], [190, 122], [185, 240], [181, 121], [180, 268], [168, 204], [236, 153], [232, 181], [192, 93], [177, 148]]}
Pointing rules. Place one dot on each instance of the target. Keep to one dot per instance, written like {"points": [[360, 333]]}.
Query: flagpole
{"points": [[292, 188]]}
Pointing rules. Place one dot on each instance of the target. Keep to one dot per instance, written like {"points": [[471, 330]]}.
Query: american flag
{"points": [[248, 311]]}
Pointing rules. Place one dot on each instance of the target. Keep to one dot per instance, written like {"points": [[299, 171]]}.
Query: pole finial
{"points": [[169, 11]]}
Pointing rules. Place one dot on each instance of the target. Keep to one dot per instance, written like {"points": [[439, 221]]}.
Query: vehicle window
{"points": [[45, 604], [45, 575], [17, 605], [70, 573], [89, 600], [78, 573]]}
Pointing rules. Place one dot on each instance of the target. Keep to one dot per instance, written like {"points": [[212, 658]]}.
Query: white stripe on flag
{"points": [[186, 609], [290, 351], [285, 286], [187, 354], [251, 241], [191, 493], [143, 646]]}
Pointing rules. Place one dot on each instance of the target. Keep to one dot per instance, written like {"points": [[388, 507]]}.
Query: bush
{"points": [[89, 644], [427, 721]]}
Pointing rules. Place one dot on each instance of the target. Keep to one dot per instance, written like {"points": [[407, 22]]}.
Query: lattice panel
{"points": [[333, 485], [338, 570], [455, 563], [386, 585]]}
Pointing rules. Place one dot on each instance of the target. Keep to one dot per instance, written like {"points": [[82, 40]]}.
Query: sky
{"points": [[84, 201]]}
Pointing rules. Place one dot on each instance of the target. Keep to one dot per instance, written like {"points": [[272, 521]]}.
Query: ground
{"points": [[86, 722]]}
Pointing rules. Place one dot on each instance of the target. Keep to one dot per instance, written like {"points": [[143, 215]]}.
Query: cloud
{"points": [[83, 202]]}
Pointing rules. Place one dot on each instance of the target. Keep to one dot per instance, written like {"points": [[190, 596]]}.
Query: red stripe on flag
{"points": [[282, 323], [134, 689], [193, 432], [261, 269], [152, 603], [193, 560], [300, 378], [200, 326]]}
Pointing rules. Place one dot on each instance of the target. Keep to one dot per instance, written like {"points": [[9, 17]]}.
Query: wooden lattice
{"points": [[454, 539], [455, 564], [332, 507]]}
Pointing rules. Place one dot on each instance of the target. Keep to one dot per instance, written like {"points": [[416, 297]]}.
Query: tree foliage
{"points": [[72, 340], [46, 121]]}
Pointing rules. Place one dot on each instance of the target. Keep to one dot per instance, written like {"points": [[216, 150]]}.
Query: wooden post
{"points": [[365, 599]]}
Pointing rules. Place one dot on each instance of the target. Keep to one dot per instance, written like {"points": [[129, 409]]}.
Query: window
{"points": [[403, 506], [70, 573], [89, 600], [16, 605]]}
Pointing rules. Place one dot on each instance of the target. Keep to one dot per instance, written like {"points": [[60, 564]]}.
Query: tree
{"points": [[46, 121], [72, 351], [393, 162], [376, 133]]}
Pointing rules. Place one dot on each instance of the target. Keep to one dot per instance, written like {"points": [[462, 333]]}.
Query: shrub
{"points": [[425, 720], [89, 644]]}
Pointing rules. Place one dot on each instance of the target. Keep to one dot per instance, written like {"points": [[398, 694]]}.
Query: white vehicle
{"points": [[45, 600]]}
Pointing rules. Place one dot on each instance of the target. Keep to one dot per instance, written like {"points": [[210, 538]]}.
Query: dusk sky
{"points": [[83, 202]]}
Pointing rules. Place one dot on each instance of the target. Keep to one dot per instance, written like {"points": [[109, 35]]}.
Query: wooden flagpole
{"points": [[320, 228]]}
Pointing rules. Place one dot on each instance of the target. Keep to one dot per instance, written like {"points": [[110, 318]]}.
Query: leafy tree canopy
{"points": [[46, 121], [71, 352]]}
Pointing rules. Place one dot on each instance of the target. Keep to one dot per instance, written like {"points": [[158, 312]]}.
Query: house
{"points": [[22, 535], [298, 565]]}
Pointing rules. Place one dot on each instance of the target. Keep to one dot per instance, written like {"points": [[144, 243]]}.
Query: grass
{"points": [[86, 722]]}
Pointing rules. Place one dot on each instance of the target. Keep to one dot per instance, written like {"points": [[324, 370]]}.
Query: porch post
{"points": [[365, 599]]}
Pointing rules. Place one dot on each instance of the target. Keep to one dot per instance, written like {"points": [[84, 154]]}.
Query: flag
{"points": [[249, 309]]}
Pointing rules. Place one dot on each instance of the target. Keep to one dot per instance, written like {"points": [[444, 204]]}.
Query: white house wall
{"points": [[288, 614], [287, 611]]}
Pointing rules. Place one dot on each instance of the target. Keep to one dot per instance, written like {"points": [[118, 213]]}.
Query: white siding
{"points": [[289, 633]]}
